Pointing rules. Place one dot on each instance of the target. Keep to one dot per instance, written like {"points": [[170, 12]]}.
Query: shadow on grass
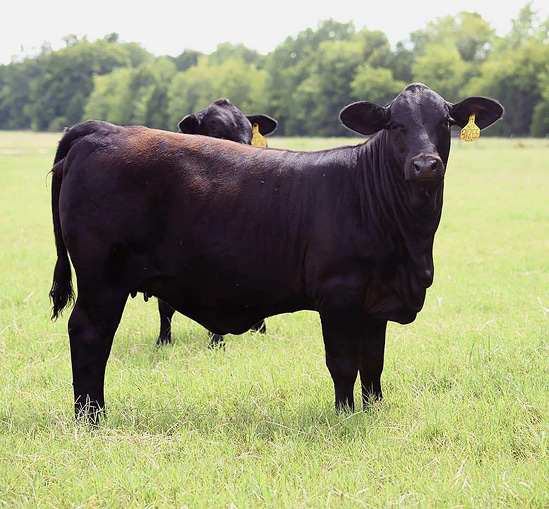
{"points": [[314, 421]]}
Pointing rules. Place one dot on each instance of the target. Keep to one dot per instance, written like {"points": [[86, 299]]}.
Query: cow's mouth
{"points": [[425, 194]]}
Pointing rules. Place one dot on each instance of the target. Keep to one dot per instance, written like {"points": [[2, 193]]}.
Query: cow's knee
{"points": [[344, 371]]}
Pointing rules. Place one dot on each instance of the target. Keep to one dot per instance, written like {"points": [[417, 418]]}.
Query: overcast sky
{"points": [[167, 27]]}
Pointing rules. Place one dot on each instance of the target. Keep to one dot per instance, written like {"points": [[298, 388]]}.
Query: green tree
{"points": [[243, 84], [227, 51], [292, 62], [190, 91], [516, 73], [375, 84], [340, 72], [157, 113], [376, 48], [189, 58], [540, 117], [319, 99], [303, 83], [133, 95], [467, 32], [15, 80], [526, 29], [58, 95], [110, 99], [142, 85], [443, 70], [516, 78], [400, 63]]}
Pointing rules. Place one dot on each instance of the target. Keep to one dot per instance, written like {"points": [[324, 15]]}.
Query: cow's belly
{"points": [[233, 321], [222, 310]]}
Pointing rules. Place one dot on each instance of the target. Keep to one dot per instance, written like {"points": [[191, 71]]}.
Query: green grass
{"points": [[464, 422]]}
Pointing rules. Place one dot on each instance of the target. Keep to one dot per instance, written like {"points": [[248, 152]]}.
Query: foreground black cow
{"points": [[222, 120], [230, 234]]}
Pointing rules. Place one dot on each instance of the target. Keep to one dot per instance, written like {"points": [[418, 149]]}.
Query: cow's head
{"points": [[223, 120], [418, 124]]}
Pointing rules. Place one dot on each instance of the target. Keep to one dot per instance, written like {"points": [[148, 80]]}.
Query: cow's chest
{"points": [[396, 289]]}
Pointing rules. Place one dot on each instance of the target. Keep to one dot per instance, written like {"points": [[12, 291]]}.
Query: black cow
{"points": [[223, 120], [229, 234]]}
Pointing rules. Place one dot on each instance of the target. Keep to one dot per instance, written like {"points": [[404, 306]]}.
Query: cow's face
{"points": [[223, 120], [418, 124]]}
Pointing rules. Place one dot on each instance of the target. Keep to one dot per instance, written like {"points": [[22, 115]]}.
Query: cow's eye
{"points": [[395, 125], [445, 123]]}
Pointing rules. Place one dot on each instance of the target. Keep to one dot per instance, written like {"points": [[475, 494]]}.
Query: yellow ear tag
{"points": [[470, 132], [258, 140]]}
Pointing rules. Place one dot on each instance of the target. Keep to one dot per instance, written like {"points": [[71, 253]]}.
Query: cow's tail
{"points": [[61, 293]]}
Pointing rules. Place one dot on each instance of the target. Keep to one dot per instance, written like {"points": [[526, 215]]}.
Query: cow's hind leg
{"points": [[92, 325], [216, 341], [371, 360], [166, 314], [260, 327]]}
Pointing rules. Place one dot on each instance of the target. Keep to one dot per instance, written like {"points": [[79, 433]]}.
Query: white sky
{"points": [[167, 27]]}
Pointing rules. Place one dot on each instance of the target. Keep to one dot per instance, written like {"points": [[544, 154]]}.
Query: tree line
{"points": [[303, 83]]}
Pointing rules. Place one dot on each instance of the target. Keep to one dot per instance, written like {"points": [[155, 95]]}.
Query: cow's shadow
{"points": [[314, 420]]}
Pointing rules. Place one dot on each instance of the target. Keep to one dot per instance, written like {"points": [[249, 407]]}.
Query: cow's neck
{"points": [[403, 216]]}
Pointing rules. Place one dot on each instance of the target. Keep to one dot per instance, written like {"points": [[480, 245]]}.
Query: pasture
{"points": [[464, 422]]}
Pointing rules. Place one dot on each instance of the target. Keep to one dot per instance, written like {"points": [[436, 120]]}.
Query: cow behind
{"points": [[228, 234]]}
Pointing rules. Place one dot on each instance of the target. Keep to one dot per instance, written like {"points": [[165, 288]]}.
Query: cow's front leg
{"points": [[341, 333], [92, 325], [372, 353], [166, 314]]}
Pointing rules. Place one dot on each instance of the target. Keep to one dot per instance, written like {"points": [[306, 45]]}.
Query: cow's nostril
{"points": [[425, 168], [425, 165]]}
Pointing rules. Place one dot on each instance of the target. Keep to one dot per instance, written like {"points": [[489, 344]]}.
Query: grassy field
{"points": [[464, 422]]}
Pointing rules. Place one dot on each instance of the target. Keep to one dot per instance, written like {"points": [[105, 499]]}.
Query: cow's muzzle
{"points": [[424, 167]]}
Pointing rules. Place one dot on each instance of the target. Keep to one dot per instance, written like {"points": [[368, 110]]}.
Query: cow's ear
{"points": [[486, 111], [189, 125], [266, 124], [364, 117]]}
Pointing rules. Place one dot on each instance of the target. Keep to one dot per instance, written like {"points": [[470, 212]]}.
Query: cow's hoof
{"points": [[163, 340], [216, 342]]}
